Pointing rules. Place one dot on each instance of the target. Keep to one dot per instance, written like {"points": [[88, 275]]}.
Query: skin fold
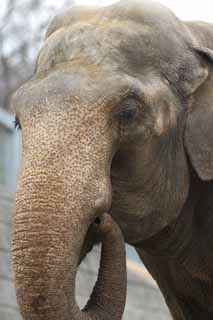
{"points": [[117, 118]]}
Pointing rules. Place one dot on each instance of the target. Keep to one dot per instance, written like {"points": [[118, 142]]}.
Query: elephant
{"points": [[116, 119]]}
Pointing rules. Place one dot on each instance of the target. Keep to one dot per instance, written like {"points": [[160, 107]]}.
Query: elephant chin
{"points": [[92, 238], [108, 297]]}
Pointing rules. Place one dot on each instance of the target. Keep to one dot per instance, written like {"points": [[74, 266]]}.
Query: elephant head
{"points": [[116, 118]]}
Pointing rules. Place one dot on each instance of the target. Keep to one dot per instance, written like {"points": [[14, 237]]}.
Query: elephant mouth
{"points": [[92, 239]]}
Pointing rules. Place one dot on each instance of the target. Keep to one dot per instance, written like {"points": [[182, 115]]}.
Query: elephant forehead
{"points": [[68, 85], [136, 31], [115, 45], [94, 43]]}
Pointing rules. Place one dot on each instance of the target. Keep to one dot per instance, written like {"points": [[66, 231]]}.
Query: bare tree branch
{"points": [[22, 29]]}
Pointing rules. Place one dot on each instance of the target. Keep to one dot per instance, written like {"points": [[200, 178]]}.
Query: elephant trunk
{"points": [[48, 291], [64, 185], [50, 224]]}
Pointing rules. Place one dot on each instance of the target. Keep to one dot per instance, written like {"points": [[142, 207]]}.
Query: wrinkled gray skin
{"points": [[119, 117]]}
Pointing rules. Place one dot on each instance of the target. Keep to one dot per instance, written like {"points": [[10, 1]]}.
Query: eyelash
{"points": [[17, 124]]}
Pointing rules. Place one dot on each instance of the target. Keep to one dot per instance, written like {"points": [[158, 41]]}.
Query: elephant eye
{"points": [[128, 110], [127, 115], [17, 124]]}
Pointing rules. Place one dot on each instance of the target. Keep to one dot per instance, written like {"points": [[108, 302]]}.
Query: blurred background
{"points": [[22, 28]]}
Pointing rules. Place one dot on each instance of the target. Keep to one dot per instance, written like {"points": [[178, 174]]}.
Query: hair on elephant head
{"points": [[116, 117]]}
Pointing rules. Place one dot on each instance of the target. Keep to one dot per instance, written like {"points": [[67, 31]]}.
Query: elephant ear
{"points": [[199, 124]]}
